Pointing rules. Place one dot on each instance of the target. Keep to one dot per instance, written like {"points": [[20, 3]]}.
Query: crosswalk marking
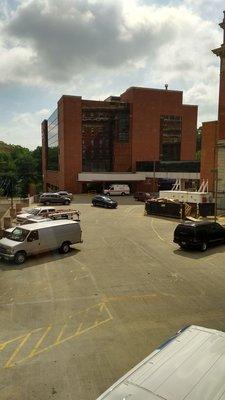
{"points": [[37, 341]]}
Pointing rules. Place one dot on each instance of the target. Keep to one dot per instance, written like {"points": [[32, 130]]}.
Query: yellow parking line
{"points": [[9, 362], [60, 334], [100, 307], [34, 351]]}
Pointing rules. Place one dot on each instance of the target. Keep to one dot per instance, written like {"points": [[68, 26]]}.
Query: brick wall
{"points": [[208, 153], [70, 141], [189, 125], [222, 100], [147, 107]]}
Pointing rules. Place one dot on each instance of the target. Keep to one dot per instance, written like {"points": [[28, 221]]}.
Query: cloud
{"points": [[57, 39], [95, 48], [24, 128], [207, 9], [65, 37]]}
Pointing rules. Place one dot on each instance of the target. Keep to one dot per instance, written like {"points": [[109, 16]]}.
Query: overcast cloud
{"points": [[96, 48]]}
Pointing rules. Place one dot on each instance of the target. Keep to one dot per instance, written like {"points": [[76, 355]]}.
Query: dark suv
{"points": [[53, 198], [200, 234]]}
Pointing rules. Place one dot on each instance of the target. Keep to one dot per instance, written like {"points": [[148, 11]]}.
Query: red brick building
{"points": [[113, 140], [208, 152], [213, 137]]}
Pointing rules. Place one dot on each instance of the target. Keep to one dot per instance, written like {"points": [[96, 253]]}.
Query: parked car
{"points": [[199, 234], [34, 212], [104, 201], [65, 194], [54, 198], [23, 241], [142, 196], [116, 189]]}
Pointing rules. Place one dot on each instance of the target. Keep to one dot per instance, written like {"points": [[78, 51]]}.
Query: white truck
{"points": [[74, 215], [34, 212], [190, 366], [23, 241], [117, 190]]}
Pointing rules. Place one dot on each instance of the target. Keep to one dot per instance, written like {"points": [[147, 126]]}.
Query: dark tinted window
{"points": [[33, 236], [170, 137], [214, 228], [219, 227], [185, 230], [53, 142]]}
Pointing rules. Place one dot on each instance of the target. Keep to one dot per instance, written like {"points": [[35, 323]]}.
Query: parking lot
{"points": [[70, 325]]}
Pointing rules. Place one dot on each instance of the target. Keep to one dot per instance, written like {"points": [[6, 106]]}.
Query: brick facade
{"points": [[208, 152], [221, 119], [145, 107]]}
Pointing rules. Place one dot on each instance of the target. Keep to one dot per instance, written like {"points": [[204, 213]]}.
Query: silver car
{"points": [[66, 194], [54, 198]]}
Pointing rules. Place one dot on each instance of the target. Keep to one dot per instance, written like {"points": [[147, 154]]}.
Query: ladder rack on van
{"points": [[63, 213]]}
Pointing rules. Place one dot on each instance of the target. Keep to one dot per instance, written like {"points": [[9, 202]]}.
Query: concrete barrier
{"points": [[12, 212], [7, 222], [18, 207]]}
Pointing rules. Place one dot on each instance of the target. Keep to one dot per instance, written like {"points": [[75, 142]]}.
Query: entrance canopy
{"points": [[133, 176]]}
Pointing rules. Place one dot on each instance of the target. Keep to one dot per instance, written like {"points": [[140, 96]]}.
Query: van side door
{"points": [[33, 243]]}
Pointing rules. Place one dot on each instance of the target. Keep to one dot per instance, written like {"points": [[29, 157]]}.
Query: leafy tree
{"points": [[19, 167]]}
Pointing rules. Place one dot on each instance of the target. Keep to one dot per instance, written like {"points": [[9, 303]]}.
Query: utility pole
{"points": [[216, 193], [154, 176]]}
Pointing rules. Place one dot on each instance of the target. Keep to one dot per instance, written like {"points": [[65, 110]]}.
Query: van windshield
{"points": [[35, 211], [18, 234]]}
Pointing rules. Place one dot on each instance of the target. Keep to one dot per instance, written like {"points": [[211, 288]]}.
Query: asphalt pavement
{"points": [[71, 325]]}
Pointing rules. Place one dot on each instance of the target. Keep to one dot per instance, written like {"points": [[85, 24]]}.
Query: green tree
{"points": [[19, 167]]}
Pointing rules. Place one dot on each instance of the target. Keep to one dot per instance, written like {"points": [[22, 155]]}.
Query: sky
{"points": [[98, 48]]}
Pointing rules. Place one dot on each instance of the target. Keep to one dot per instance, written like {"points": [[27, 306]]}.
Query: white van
{"points": [[116, 189], [34, 212], [23, 241], [190, 366]]}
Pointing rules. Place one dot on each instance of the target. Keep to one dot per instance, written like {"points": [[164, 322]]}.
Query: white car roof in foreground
{"points": [[190, 367]]}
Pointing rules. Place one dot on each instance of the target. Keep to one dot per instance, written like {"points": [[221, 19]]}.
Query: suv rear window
{"points": [[185, 230]]}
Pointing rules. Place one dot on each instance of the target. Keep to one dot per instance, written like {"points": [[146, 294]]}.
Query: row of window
{"points": [[102, 143], [171, 117], [53, 142]]}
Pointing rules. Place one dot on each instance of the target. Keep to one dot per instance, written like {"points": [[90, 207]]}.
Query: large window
{"points": [[123, 126], [53, 142], [101, 128], [170, 137]]}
